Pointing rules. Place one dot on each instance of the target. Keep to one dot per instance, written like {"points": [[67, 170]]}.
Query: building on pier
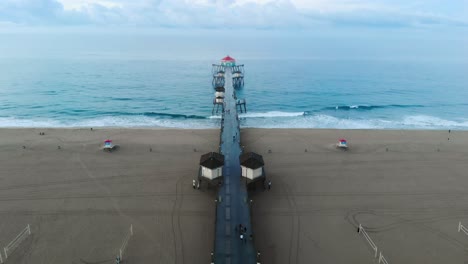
{"points": [[228, 61], [219, 71], [237, 76], [218, 81], [252, 166], [218, 101], [211, 166]]}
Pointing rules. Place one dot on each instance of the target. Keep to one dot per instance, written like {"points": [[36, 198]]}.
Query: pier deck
{"points": [[233, 203]]}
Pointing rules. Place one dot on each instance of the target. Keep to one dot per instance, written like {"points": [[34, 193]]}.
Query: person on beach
{"points": [[193, 184]]}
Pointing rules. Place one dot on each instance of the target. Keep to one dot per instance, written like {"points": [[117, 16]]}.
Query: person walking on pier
{"points": [[241, 237], [269, 185]]}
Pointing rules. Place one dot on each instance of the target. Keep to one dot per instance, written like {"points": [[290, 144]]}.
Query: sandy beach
{"points": [[408, 189], [80, 201]]}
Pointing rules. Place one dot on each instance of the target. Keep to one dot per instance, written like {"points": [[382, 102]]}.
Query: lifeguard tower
{"points": [[218, 100], [108, 145], [342, 143]]}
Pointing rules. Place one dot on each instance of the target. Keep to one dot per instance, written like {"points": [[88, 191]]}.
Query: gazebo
{"points": [[252, 166], [211, 166]]}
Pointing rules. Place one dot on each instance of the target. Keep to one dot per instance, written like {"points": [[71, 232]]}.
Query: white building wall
{"points": [[244, 171], [257, 173], [251, 174], [211, 173]]}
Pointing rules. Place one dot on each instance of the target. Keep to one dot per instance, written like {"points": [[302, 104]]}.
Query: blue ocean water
{"points": [[293, 93]]}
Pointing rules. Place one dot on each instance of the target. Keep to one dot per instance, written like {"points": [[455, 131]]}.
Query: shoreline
{"points": [[242, 128]]}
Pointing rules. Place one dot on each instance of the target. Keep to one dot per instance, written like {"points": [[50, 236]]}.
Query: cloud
{"points": [[233, 13]]}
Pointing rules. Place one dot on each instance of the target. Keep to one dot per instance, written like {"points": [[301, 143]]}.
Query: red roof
{"points": [[108, 141], [342, 140], [227, 58]]}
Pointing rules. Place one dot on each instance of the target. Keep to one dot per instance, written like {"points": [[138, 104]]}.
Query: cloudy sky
{"points": [[265, 14], [251, 28]]}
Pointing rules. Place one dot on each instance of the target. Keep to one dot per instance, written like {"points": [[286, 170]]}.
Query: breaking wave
{"points": [[254, 120]]}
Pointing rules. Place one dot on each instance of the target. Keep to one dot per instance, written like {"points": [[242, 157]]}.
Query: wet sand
{"points": [[409, 189]]}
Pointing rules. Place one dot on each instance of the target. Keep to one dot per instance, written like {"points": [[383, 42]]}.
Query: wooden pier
{"points": [[234, 237]]}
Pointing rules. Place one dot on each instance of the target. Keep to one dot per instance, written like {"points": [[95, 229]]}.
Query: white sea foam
{"points": [[118, 121], [18, 122], [259, 120], [430, 122], [327, 121], [271, 114]]}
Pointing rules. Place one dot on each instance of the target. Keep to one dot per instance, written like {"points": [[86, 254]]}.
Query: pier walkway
{"points": [[233, 207]]}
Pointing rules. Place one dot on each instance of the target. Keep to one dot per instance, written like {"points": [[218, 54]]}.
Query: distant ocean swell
{"points": [[269, 119]]}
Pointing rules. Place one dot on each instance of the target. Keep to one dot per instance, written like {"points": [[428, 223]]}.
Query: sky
{"points": [[264, 14], [311, 27]]}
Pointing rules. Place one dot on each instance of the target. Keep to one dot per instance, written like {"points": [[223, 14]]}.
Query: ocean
{"points": [[280, 93]]}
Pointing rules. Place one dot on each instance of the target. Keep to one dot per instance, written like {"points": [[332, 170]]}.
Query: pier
{"points": [[233, 203]]}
